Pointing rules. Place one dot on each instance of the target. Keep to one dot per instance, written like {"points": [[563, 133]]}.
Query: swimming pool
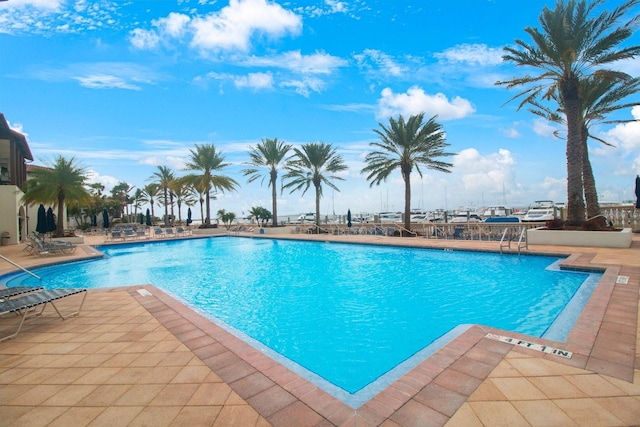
{"points": [[344, 316]]}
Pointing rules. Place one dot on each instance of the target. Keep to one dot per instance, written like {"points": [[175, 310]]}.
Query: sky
{"points": [[127, 86]]}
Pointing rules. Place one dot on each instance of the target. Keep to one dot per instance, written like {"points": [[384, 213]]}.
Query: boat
{"points": [[540, 211], [465, 217], [389, 217], [497, 210]]}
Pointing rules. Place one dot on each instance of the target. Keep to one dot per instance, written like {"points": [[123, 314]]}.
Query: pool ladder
{"points": [[20, 267], [507, 237]]}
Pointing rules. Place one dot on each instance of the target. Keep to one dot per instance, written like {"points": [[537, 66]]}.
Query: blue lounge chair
{"points": [[169, 232], [23, 305], [158, 232]]}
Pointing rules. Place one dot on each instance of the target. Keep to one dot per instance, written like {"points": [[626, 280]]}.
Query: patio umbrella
{"points": [[41, 225], [637, 191], [148, 219], [349, 218], [51, 221], [189, 220], [105, 218], [141, 219]]}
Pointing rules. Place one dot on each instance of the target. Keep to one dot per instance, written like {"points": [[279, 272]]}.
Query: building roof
{"points": [[19, 139]]}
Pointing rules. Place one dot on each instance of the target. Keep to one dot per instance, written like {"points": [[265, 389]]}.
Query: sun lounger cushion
{"points": [[7, 293]]}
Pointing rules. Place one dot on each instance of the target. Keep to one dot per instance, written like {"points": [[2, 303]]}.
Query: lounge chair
{"points": [[182, 231], [8, 293], [42, 248], [169, 232], [129, 233], [141, 234], [23, 305], [158, 232]]}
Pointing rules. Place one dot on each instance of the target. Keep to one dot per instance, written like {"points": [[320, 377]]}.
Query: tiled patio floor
{"points": [[131, 359]]}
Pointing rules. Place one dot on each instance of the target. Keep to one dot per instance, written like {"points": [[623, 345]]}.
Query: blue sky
{"points": [[125, 86]]}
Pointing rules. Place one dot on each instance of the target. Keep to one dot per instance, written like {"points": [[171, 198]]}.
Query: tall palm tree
{"points": [[207, 160], [571, 46], [268, 154], [150, 192], [183, 193], [163, 177], [600, 97], [314, 163], [63, 181], [406, 145]]}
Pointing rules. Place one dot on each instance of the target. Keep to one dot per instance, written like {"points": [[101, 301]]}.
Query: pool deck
{"points": [[143, 358]]}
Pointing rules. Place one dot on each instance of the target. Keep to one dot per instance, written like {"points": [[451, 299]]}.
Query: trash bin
{"points": [[5, 238]]}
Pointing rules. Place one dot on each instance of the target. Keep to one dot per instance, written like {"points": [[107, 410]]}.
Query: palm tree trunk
{"points": [[274, 197], [166, 206], [407, 202], [60, 225], [153, 215], [575, 190], [207, 221], [201, 210], [589, 181], [317, 206]]}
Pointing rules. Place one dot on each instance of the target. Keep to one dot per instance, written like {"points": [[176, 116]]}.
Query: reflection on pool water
{"points": [[346, 315]]}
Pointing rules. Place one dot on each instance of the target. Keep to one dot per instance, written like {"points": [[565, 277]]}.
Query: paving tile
{"points": [[116, 416], [69, 395], [464, 417], [197, 416], [626, 409], [139, 395], [237, 415], [297, 414], [441, 399], [77, 417], [104, 395], [174, 395], [156, 416], [271, 401], [587, 412], [214, 394], [498, 414], [517, 388], [416, 414], [556, 387], [595, 385], [40, 416], [543, 413]]}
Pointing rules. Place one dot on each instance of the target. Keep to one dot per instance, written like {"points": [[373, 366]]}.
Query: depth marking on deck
{"points": [[144, 292], [622, 280], [533, 346]]}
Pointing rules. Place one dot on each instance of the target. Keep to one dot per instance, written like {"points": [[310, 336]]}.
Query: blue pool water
{"points": [[349, 314]]}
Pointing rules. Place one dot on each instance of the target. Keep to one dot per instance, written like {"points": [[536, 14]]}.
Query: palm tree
{"points": [[164, 176], [406, 145], [600, 97], [314, 163], [63, 181], [571, 46], [120, 192], [183, 193], [206, 159], [268, 154], [150, 192]]}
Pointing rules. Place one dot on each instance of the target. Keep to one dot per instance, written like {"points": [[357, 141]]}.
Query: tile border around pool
{"points": [[602, 341]]}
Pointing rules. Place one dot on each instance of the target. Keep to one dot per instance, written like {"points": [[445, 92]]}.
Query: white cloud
{"points": [[416, 101], [231, 29], [105, 81], [317, 63], [472, 54], [372, 59], [38, 4], [487, 174], [255, 81], [107, 181], [305, 86], [544, 128], [627, 134], [144, 39]]}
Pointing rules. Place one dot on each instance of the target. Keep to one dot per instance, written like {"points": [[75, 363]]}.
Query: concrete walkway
{"points": [[142, 358]]}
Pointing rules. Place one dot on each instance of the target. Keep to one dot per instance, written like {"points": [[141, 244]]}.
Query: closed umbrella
{"points": [[41, 225], [189, 220], [349, 218], [105, 218], [141, 219], [148, 219], [637, 191], [51, 221]]}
